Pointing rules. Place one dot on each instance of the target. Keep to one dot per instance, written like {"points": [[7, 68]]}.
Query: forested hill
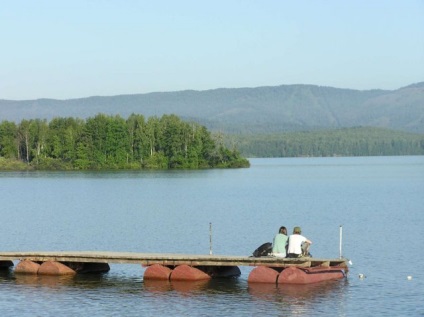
{"points": [[359, 141], [248, 110]]}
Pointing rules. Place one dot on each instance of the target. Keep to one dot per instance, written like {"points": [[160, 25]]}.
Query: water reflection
{"points": [[264, 291], [5, 274], [189, 287], [298, 299], [81, 282], [158, 286], [225, 295], [44, 280]]}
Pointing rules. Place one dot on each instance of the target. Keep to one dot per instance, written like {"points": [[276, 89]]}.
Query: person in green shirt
{"points": [[279, 245]]}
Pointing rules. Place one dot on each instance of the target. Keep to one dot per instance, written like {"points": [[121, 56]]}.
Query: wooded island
{"points": [[112, 142]]}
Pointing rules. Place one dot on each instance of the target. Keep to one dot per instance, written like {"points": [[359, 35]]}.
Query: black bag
{"points": [[263, 250]]}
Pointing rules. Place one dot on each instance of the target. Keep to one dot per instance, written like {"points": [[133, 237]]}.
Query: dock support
{"points": [[341, 241], [295, 275], [5, 264], [263, 274], [55, 268], [27, 267], [88, 267], [188, 273], [60, 268], [157, 272]]}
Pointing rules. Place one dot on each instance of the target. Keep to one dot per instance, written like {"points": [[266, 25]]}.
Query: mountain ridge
{"points": [[265, 109]]}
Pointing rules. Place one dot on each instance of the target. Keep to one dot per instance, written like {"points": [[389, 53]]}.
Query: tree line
{"points": [[112, 142], [357, 141]]}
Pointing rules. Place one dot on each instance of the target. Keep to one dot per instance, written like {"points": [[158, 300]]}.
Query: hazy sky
{"points": [[79, 48]]}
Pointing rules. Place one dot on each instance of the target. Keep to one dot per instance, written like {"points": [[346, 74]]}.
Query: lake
{"points": [[379, 202]]}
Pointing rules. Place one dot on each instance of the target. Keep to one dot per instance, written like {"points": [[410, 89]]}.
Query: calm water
{"points": [[378, 200]]}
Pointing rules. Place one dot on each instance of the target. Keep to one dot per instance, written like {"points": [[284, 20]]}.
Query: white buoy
{"points": [[361, 276], [350, 262], [409, 277]]}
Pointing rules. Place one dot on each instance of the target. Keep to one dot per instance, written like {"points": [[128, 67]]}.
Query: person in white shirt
{"points": [[298, 244]]}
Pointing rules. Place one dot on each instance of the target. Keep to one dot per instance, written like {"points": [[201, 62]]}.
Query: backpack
{"points": [[263, 250]]}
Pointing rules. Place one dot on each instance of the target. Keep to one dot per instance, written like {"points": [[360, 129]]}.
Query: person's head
{"points": [[283, 230], [297, 230]]}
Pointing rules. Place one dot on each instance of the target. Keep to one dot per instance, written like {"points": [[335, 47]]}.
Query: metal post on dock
{"points": [[341, 239], [210, 238]]}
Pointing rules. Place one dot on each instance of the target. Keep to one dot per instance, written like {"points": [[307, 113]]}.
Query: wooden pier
{"points": [[166, 259], [267, 268]]}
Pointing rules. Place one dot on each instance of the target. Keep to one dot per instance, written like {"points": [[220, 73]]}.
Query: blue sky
{"points": [[79, 48]]}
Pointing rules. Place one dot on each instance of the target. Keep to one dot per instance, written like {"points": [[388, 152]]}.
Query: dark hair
{"points": [[283, 230]]}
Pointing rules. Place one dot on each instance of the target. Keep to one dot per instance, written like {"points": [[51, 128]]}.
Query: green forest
{"points": [[112, 142], [358, 141]]}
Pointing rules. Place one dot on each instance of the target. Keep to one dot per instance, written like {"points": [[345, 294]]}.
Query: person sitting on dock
{"points": [[279, 245], [298, 244]]}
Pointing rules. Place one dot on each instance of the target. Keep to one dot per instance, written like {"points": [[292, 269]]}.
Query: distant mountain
{"points": [[249, 110]]}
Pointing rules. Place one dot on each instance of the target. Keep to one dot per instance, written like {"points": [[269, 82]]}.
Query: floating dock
{"points": [[189, 267]]}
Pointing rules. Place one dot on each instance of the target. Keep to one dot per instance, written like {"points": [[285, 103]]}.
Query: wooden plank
{"points": [[303, 264]]}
